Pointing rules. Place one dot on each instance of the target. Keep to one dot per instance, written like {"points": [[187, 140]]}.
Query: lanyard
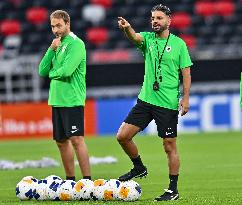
{"points": [[160, 57]]}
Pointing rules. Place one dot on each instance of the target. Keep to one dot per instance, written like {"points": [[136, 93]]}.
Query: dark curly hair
{"points": [[162, 8]]}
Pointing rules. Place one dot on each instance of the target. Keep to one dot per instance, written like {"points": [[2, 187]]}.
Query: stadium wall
{"points": [[208, 113], [133, 73]]}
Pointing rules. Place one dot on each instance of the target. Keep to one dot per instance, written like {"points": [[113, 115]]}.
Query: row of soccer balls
{"points": [[54, 188]]}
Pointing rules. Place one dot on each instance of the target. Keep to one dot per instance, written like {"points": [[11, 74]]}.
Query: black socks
{"points": [[87, 177], [71, 178], [137, 162], [74, 178], [173, 182]]}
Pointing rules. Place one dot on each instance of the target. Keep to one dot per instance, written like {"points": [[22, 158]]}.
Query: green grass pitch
{"points": [[211, 167]]}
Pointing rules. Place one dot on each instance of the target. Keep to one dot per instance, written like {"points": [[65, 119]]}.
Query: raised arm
{"points": [[46, 62], [129, 31], [76, 53]]}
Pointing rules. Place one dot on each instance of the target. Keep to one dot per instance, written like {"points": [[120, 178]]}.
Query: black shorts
{"points": [[67, 122], [143, 113]]}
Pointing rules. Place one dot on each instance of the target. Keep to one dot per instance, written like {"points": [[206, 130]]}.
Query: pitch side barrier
{"points": [[208, 113]]}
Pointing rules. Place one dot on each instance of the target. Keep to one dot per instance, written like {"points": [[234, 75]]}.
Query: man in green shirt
{"points": [[165, 55], [65, 65]]}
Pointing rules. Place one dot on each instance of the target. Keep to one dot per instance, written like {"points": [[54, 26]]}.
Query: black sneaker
{"points": [[134, 173], [167, 196]]}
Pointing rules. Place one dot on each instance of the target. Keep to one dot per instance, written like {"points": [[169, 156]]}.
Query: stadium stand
{"points": [[211, 29], [208, 22]]}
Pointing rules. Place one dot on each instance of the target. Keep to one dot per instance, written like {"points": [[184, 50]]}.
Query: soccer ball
{"points": [[41, 190], [98, 190], [88, 189], [99, 182], [65, 191], [25, 188], [111, 191], [52, 190], [130, 191], [83, 189], [52, 178]]}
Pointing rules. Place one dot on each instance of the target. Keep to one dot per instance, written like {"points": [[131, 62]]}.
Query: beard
{"points": [[61, 34], [157, 28], [57, 35]]}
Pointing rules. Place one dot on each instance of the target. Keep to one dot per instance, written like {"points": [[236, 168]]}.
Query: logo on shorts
{"points": [[169, 131], [74, 129]]}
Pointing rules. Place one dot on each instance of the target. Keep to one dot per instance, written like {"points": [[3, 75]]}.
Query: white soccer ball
{"points": [[111, 191], [25, 188], [83, 189], [130, 191], [52, 190], [65, 191], [88, 189], [98, 190], [51, 178], [41, 190], [99, 182]]}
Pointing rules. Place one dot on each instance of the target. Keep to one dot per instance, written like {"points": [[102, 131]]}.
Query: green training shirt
{"points": [[175, 58], [66, 67]]}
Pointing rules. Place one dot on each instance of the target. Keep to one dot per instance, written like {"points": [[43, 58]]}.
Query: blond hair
{"points": [[60, 14]]}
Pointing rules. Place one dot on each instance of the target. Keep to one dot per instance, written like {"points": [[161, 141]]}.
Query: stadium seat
{"points": [[97, 35], [181, 20], [204, 8], [104, 3], [89, 10], [206, 31], [217, 40], [224, 8], [10, 27], [190, 40], [1, 49], [16, 2], [224, 30], [214, 20], [11, 46], [37, 15], [236, 39]]}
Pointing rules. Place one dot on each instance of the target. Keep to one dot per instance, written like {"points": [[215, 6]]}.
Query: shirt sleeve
{"points": [[76, 53], [46, 63], [142, 46], [185, 60]]}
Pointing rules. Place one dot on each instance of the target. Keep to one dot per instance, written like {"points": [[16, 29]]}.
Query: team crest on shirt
{"points": [[168, 49], [151, 47], [63, 49]]}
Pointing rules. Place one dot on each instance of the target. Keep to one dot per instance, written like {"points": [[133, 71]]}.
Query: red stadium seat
{"points": [[16, 2], [37, 15], [225, 8], [190, 40], [10, 27], [204, 8], [104, 3], [181, 20], [97, 35]]}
